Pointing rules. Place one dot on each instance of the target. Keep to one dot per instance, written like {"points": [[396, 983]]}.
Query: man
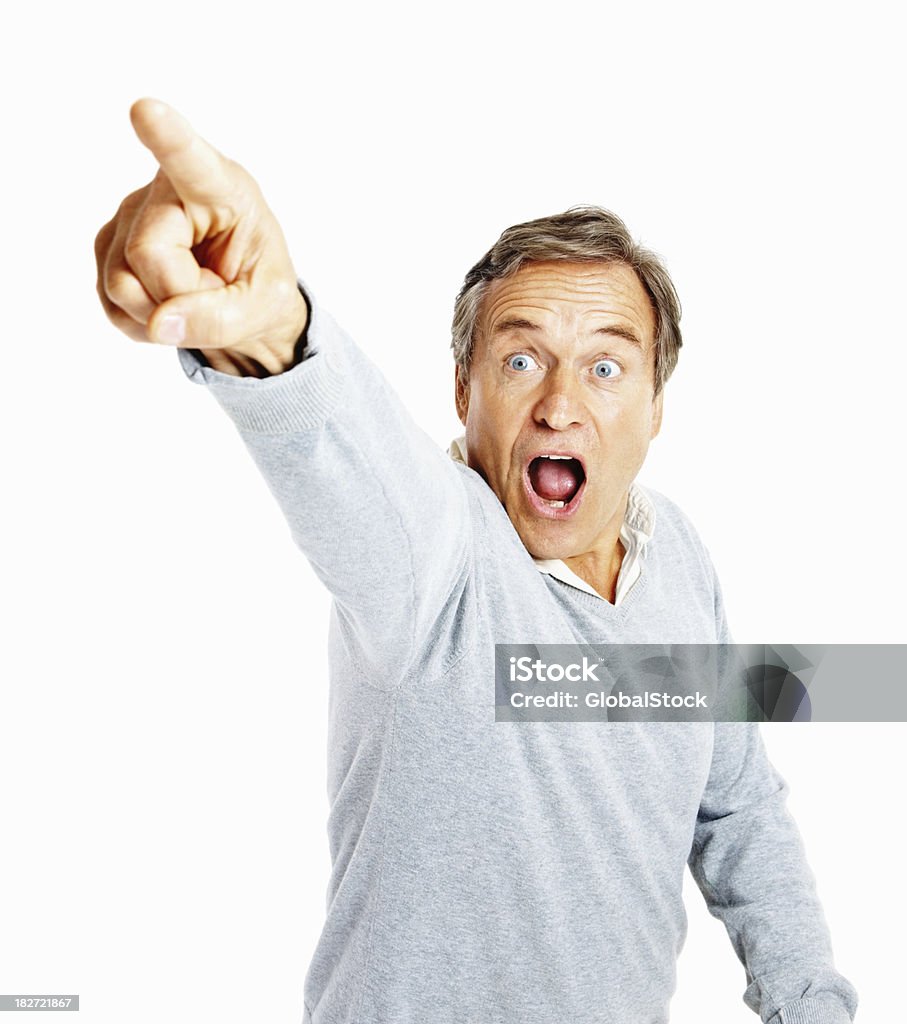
{"points": [[485, 872]]}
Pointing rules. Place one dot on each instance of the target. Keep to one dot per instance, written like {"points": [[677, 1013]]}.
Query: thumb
{"points": [[218, 317], [197, 171]]}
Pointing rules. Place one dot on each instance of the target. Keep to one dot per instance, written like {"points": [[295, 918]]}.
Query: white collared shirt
{"points": [[635, 532]]}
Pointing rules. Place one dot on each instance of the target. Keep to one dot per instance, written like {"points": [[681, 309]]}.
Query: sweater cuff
{"points": [[812, 1011], [300, 398]]}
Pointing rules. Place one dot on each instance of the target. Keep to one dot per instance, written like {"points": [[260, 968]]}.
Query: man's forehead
{"points": [[543, 294]]}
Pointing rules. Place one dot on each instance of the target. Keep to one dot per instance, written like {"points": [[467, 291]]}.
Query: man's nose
{"points": [[560, 405]]}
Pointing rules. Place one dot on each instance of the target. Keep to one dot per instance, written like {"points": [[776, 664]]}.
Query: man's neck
{"points": [[600, 567], [600, 572]]}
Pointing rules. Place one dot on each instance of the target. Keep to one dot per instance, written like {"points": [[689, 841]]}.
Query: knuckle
{"points": [[122, 289], [132, 201], [103, 296], [143, 253], [101, 239]]}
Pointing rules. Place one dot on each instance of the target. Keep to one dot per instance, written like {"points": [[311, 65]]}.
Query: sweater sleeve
{"points": [[378, 509], [748, 861]]}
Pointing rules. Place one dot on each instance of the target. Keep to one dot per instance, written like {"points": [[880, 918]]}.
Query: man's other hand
{"points": [[196, 258]]}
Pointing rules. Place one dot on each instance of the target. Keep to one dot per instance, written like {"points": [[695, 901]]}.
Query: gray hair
{"points": [[583, 234]]}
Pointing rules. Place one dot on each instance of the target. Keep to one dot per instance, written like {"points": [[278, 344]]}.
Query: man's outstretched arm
{"points": [[196, 259], [749, 863]]}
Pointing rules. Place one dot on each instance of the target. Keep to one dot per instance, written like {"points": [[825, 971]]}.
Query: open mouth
{"points": [[555, 482]]}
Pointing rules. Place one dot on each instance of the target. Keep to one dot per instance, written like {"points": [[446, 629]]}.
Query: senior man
{"points": [[485, 872]]}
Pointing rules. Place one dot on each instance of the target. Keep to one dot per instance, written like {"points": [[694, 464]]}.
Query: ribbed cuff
{"points": [[301, 398], [812, 1011]]}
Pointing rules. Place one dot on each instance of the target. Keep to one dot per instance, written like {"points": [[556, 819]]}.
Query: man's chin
{"points": [[547, 540]]}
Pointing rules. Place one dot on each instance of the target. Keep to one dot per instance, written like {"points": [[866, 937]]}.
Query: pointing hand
{"points": [[196, 258]]}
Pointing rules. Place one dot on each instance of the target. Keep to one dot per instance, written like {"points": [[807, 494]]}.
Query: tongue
{"points": [[554, 479]]}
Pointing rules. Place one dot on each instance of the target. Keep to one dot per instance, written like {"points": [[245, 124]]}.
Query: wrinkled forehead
{"points": [[562, 297]]}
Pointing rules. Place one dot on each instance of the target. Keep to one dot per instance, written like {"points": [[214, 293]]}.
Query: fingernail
{"points": [[171, 330]]}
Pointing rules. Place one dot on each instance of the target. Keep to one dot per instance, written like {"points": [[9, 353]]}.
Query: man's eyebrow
{"points": [[621, 332], [518, 323], [514, 323]]}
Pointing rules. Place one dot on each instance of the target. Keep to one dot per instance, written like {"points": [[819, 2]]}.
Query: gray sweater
{"points": [[508, 873]]}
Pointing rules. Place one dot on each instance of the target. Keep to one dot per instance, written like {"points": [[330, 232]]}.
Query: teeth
{"points": [[555, 456], [556, 504]]}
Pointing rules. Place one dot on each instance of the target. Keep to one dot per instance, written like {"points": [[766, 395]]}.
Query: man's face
{"points": [[563, 365]]}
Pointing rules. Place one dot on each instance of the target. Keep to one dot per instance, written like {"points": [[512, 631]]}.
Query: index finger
{"points": [[197, 171]]}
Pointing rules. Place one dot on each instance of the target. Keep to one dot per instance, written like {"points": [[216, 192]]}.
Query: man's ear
{"points": [[657, 408], [461, 392]]}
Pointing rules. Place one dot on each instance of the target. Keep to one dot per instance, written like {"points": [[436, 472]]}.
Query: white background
{"points": [[162, 847]]}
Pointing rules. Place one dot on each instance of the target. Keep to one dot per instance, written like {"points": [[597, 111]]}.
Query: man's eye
{"points": [[521, 362], [606, 368]]}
